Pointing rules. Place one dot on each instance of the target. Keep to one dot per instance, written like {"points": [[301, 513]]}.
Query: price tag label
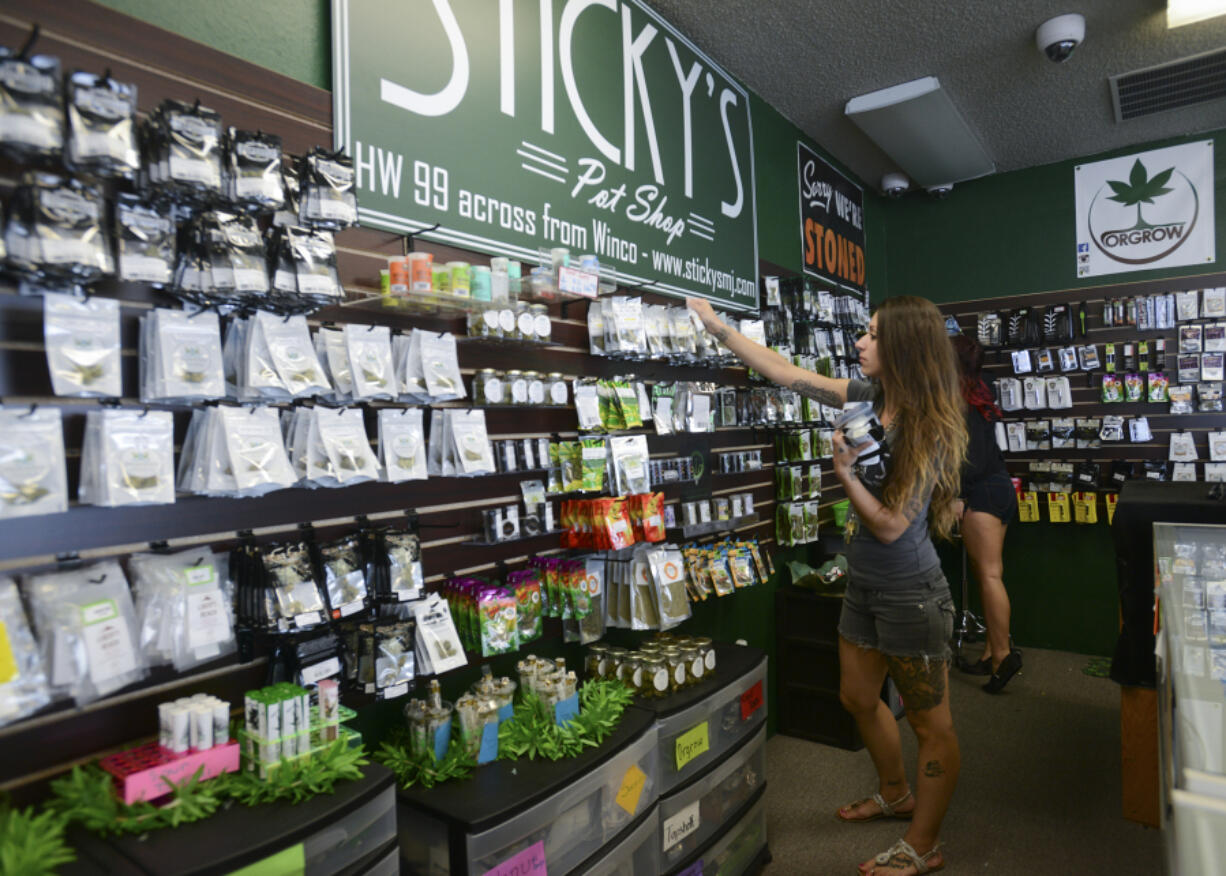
{"points": [[681, 825], [751, 701], [578, 282], [529, 862], [691, 744], [631, 789], [316, 673]]}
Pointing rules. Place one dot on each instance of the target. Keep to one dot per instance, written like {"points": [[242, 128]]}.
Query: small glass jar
{"points": [[488, 388], [655, 675], [517, 387], [676, 668], [695, 669], [593, 659], [665, 638], [506, 322], [613, 662], [536, 388], [542, 328], [630, 672], [524, 326], [706, 650], [556, 392]]}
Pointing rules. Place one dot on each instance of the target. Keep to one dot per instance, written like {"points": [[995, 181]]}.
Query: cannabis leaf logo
{"points": [[1140, 189]]}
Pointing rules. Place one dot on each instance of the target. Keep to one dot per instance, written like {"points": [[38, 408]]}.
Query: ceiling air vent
{"points": [[1186, 82]]}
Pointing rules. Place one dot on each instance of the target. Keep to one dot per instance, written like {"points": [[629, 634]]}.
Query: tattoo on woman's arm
{"points": [[721, 334], [812, 390]]}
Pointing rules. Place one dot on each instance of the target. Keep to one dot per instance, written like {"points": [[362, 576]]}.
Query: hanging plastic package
{"points": [[281, 360], [86, 627], [344, 576], [101, 127], [184, 603], [441, 367], [180, 357], [438, 644], [184, 150], [342, 437], [405, 579], [668, 576], [296, 598], [31, 107], [473, 454], [315, 267], [145, 237], [369, 353], [410, 377], [253, 171], [238, 261], [402, 445], [23, 682], [630, 456], [55, 229], [327, 197], [252, 450], [127, 458], [33, 476], [82, 343], [330, 348]]}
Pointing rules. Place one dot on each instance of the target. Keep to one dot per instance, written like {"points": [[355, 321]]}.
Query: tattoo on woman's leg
{"points": [[920, 680], [933, 769]]}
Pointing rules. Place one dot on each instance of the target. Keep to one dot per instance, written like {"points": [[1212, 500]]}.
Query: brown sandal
{"points": [[888, 810]]}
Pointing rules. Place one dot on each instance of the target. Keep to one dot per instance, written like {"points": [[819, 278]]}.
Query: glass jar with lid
{"points": [[592, 661], [488, 388], [612, 662], [655, 674], [542, 328], [536, 388], [630, 672], [706, 650], [676, 668], [695, 669], [506, 322], [517, 387], [556, 393], [524, 327]]}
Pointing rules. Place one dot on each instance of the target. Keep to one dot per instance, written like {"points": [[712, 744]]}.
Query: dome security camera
{"points": [[895, 184], [1058, 37], [940, 191]]}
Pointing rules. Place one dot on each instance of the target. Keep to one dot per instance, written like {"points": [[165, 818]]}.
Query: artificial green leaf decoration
{"points": [[424, 769], [297, 780], [31, 844], [1140, 189], [531, 732]]}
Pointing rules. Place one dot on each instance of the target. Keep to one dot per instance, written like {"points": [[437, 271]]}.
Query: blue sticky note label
{"points": [[505, 713], [694, 869], [442, 738], [566, 710], [489, 744]]}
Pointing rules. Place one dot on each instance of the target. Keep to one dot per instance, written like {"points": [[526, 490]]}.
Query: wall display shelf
{"points": [[715, 527], [700, 724], [350, 831], [558, 812]]}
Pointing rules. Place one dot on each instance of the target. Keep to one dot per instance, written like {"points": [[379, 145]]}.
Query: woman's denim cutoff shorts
{"points": [[915, 621]]}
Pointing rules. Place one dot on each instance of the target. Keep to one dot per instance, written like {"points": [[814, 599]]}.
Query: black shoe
{"points": [[1009, 667], [977, 667]]}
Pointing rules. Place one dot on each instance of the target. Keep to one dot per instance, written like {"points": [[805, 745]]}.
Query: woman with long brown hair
{"points": [[898, 614]]}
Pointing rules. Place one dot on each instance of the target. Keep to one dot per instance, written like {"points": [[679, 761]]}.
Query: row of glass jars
{"points": [[515, 322], [660, 666], [515, 387]]}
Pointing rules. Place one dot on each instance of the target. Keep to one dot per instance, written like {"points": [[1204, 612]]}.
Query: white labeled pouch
{"points": [[33, 476], [82, 342]]}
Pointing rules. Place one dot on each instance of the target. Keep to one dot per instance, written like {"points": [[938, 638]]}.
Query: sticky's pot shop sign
{"points": [[1146, 211], [519, 125], [831, 222]]}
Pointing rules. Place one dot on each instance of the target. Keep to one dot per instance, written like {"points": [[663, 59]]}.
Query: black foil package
{"points": [[221, 260], [55, 229], [101, 127], [304, 267], [183, 151], [327, 197], [31, 107], [145, 238], [253, 171]]}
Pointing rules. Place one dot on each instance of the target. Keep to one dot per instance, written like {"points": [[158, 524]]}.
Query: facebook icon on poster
{"points": [[1083, 247]]}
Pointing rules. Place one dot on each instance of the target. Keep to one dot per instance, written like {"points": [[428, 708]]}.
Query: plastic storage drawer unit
{"points": [[738, 850], [634, 855], [701, 731], [352, 837], [703, 808], [527, 813]]}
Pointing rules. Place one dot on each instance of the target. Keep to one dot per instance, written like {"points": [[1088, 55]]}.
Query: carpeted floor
{"points": [[1039, 791]]}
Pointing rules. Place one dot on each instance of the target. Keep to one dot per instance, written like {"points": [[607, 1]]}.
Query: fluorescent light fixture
{"points": [[918, 126], [1181, 12]]}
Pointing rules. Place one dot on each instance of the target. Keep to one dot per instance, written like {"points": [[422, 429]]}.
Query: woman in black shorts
{"points": [[898, 614], [989, 506]]}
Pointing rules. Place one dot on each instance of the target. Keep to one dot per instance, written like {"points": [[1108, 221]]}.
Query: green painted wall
{"points": [[292, 37]]}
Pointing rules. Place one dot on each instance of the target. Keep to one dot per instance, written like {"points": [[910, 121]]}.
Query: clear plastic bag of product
{"points": [[629, 454], [82, 341], [369, 354], [344, 576], [86, 628], [23, 681], [127, 458], [668, 577], [327, 197], [248, 445], [253, 171], [405, 577], [296, 596], [180, 356], [342, 437], [31, 107], [33, 475], [101, 126], [470, 445], [440, 366], [402, 445], [185, 607], [145, 237]]}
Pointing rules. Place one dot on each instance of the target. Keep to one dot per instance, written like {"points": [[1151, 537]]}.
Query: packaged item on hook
{"points": [[438, 644], [293, 596], [330, 348], [238, 262], [145, 236], [23, 683], [526, 586], [82, 342], [344, 576], [33, 476], [86, 627], [247, 445], [388, 664], [184, 605], [180, 356], [498, 618], [404, 576], [304, 265], [184, 150], [369, 353], [340, 454], [31, 106], [402, 445], [668, 575], [101, 126], [440, 366], [280, 360], [470, 446], [56, 229], [127, 458], [253, 171], [629, 456], [327, 199]]}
